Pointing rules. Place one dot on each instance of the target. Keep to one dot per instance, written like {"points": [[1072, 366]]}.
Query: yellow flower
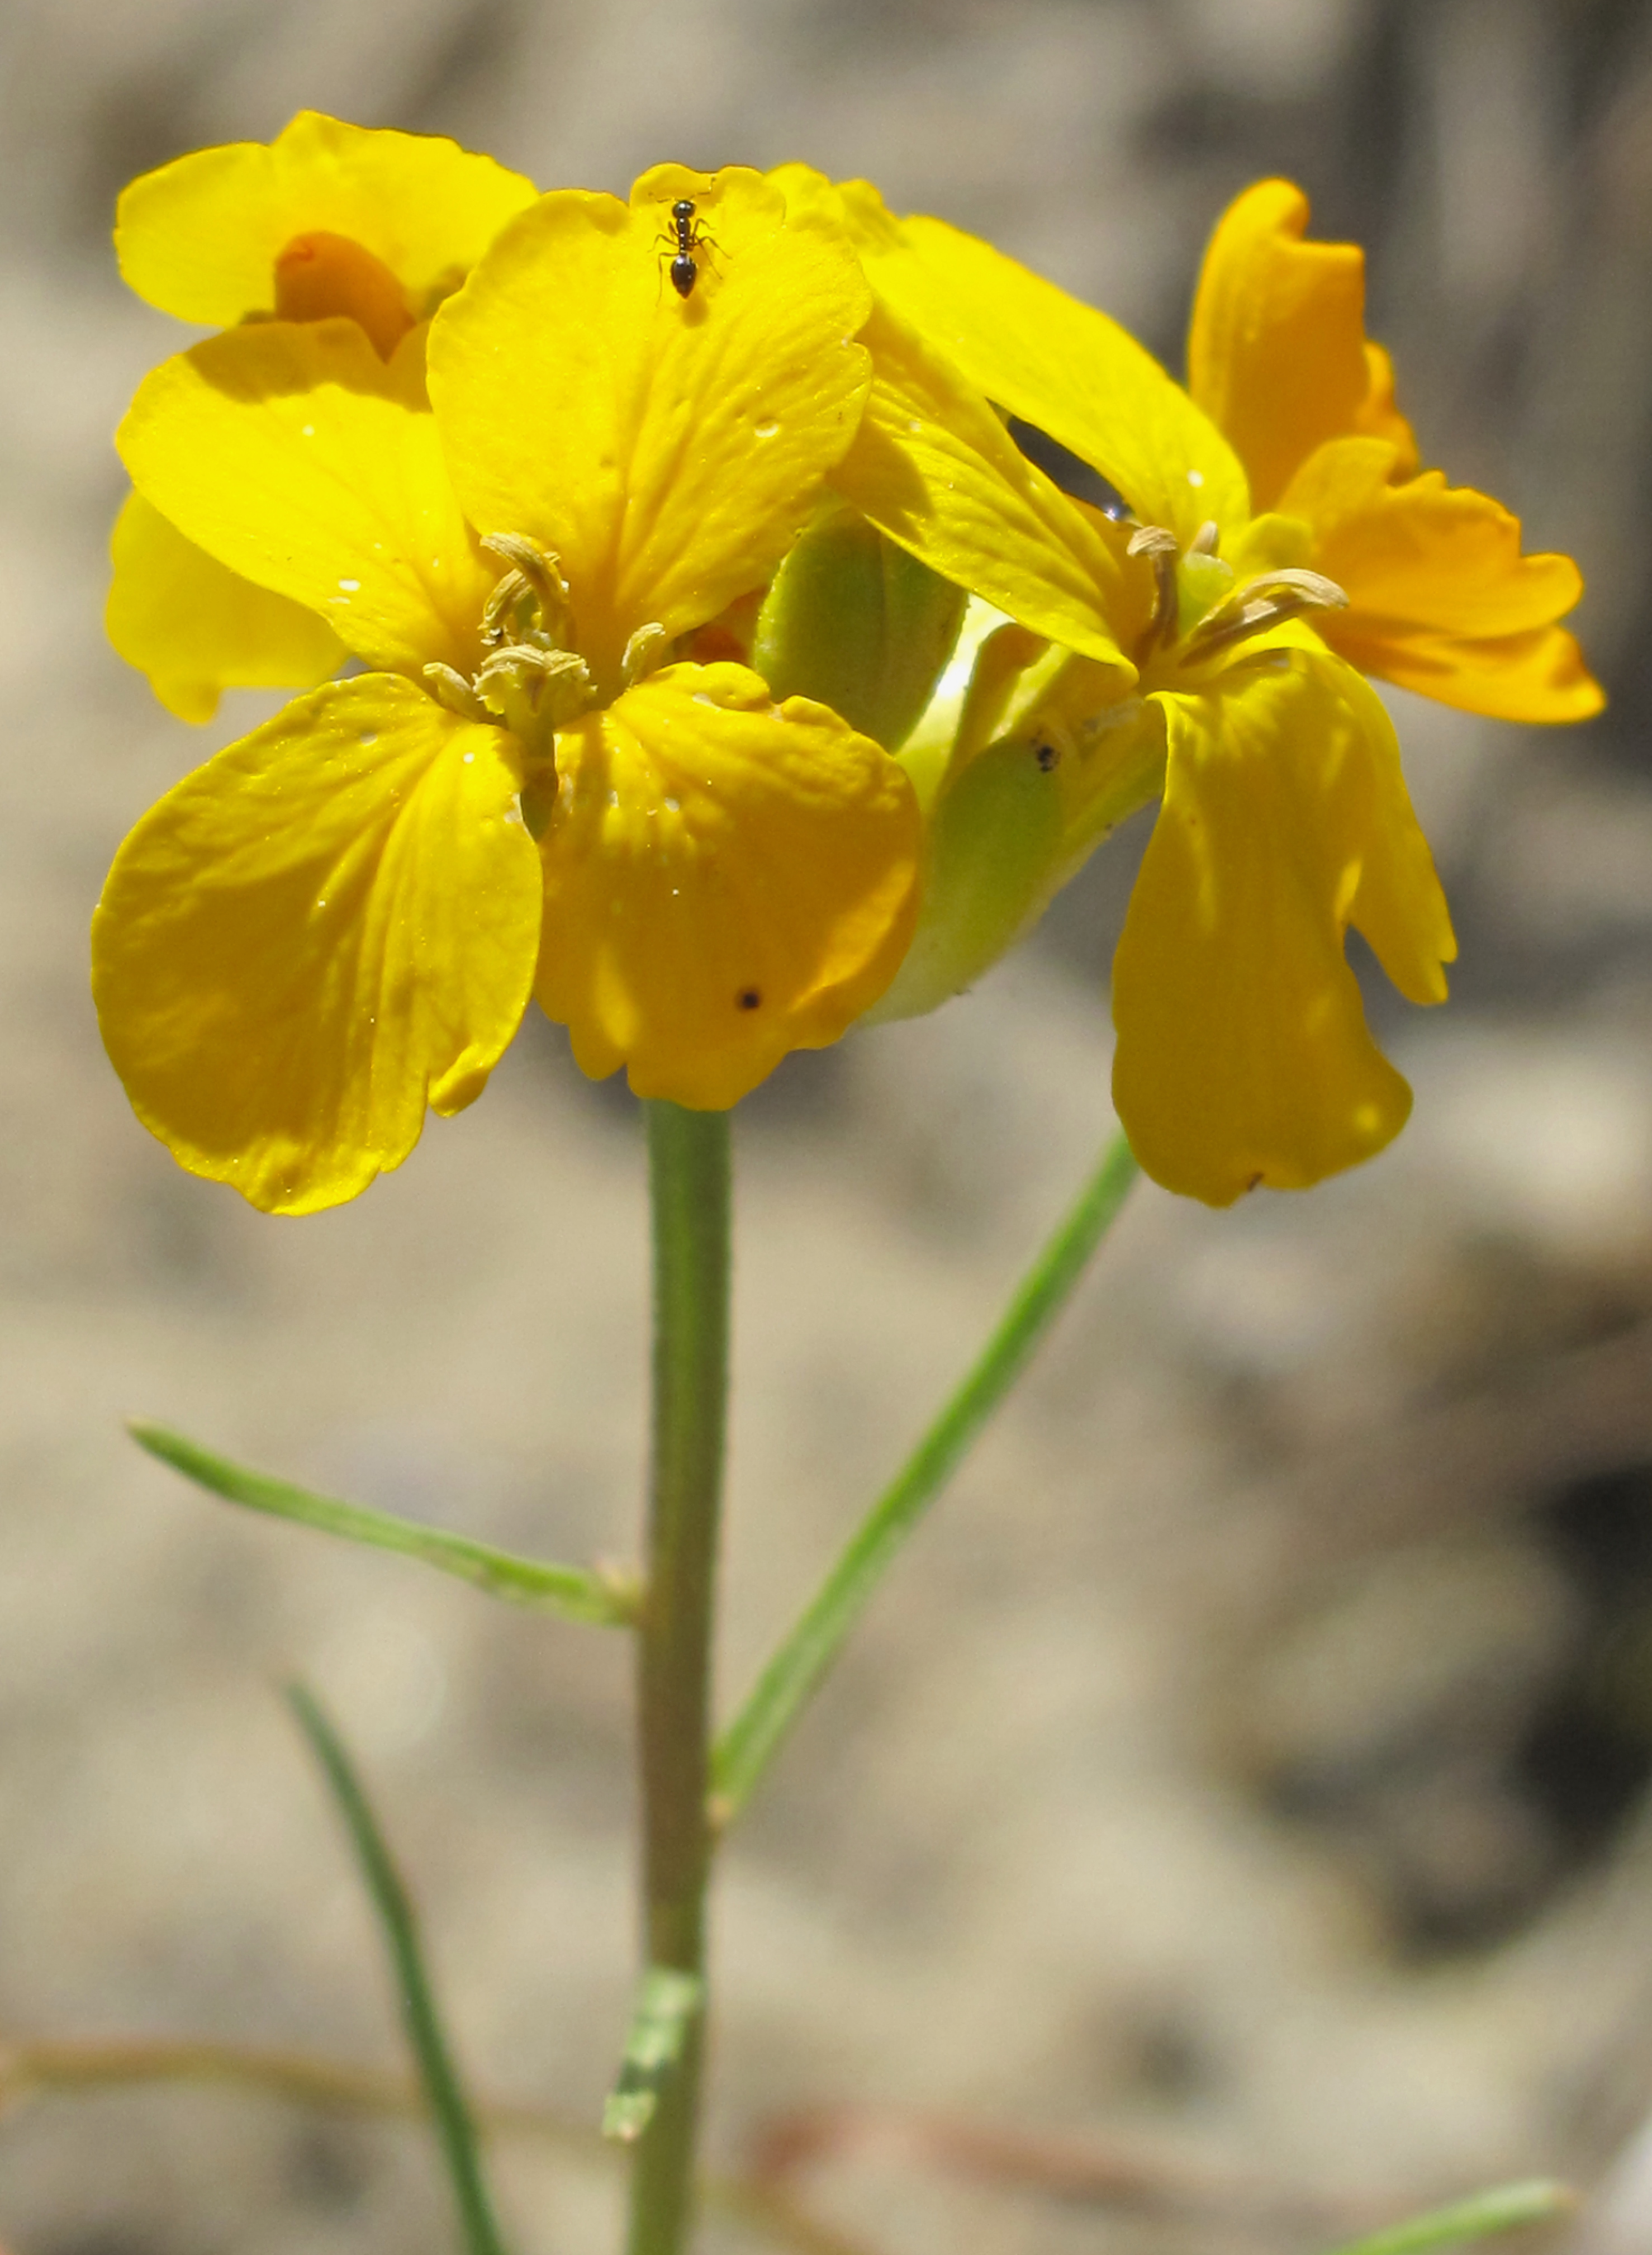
{"points": [[1440, 599], [328, 219], [340, 919], [1243, 1056]]}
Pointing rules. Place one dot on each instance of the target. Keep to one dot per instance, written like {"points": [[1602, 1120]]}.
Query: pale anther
{"points": [[1267, 600], [534, 585], [531, 689], [508, 593], [537, 565], [449, 688], [1204, 542], [1153, 541], [644, 651]]}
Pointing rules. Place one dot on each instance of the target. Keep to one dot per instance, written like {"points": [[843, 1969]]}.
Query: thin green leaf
{"points": [[566, 1590], [455, 2125], [797, 1669], [1537, 2200], [666, 2004]]}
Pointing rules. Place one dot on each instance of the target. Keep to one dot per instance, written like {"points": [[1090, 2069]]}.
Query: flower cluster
{"points": [[687, 642]]}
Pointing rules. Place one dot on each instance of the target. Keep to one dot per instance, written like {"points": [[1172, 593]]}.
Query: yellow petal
{"points": [[1277, 355], [725, 880], [933, 467], [1539, 676], [293, 454], [328, 926], [195, 628], [1058, 364], [667, 449], [201, 237], [1244, 1056], [1379, 418], [1440, 597]]}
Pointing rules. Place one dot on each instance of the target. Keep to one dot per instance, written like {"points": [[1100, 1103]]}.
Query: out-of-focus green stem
{"points": [[689, 1176], [799, 1667], [1533, 2199], [454, 2124]]}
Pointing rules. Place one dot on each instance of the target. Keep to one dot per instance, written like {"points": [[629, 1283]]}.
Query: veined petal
{"points": [[1277, 355], [1056, 362], [1439, 594], [667, 449], [725, 880], [294, 455], [1244, 1056], [1535, 677], [195, 627], [201, 237], [331, 924], [933, 467]]}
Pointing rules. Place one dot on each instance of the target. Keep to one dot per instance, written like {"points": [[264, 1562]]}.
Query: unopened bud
{"points": [[995, 843], [854, 622]]}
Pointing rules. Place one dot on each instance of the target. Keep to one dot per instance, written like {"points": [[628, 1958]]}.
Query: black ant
{"points": [[687, 235]]}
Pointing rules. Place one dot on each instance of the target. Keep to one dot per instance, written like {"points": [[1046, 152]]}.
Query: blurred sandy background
{"points": [[1250, 1758]]}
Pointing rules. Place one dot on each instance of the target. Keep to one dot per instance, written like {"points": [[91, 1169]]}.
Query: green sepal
{"points": [[853, 621], [667, 2004], [604, 1600], [1013, 823]]}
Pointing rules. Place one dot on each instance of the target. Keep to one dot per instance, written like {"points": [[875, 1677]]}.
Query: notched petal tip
{"points": [[1276, 352]]}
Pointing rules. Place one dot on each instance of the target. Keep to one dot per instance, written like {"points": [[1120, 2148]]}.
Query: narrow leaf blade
{"points": [[1537, 2200], [807, 1655], [566, 1590], [455, 2124]]}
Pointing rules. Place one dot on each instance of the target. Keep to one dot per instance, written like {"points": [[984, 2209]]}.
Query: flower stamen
{"points": [[646, 649], [533, 689], [1265, 602], [1161, 547], [449, 687], [532, 598]]}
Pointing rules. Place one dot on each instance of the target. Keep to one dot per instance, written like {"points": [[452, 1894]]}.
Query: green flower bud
{"points": [[856, 623], [1010, 825], [994, 845]]}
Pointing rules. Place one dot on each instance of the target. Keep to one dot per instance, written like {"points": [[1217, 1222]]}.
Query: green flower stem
{"points": [[454, 2126], [797, 1669], [688, 1178]]}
